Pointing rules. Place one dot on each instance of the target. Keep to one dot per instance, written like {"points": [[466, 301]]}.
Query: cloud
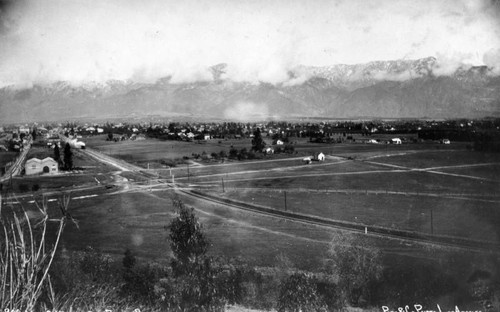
{"points": [[82, 40], [492, 59], [246, 110]]}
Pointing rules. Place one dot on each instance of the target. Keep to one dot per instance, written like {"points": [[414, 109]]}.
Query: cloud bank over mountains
{"points": [[44, 41]]}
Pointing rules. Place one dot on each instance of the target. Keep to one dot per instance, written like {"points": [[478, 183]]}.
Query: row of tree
{"points": [[67, 162]]}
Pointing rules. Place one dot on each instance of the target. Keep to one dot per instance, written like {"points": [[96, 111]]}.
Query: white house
{"points": [[77, 144], [279, 142], [268, 150], [372, 141], [38, 166], [396, 141], [319, 156]]}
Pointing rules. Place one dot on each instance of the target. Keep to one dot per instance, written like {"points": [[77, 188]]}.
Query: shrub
{"points": [[356, 264], [233, 153], [140, 280], [299, 293], [86, 281]]}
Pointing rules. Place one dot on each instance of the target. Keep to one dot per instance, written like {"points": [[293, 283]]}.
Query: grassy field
{"points": [[139, 221], [452, 217], [384, 185]]}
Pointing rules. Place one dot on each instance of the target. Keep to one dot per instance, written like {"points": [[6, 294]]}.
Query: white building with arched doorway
{"points": [[38, 166]]}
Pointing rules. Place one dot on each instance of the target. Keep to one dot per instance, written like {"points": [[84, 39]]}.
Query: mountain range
{"points": [[384, 89]]}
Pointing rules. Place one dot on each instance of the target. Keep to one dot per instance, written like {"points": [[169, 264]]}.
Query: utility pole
{"points": [[222, 185], [432, 223], [285, 200], [188, 171]]}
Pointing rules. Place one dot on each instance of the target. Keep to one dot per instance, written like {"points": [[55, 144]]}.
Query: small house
{"points": [[268, 150], [396, 141], [39, 166], [319, 156], [307, 160]]}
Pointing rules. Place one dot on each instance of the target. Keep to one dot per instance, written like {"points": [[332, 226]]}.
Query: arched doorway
{"points": [[46, 169]]}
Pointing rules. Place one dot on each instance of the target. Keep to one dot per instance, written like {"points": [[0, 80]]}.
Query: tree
{"points": [[233, 153], [68, 157], [196, 281], [187, 241], [57, 153], [110, 136], [257, 142], [355, 263]]}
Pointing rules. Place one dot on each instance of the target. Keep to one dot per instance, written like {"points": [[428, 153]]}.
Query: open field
{"points": [[451, 216], [138, 220], [425, 188], [383, 185]]}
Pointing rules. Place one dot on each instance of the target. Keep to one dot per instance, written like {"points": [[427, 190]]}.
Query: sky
{"points": [[44, 41]]}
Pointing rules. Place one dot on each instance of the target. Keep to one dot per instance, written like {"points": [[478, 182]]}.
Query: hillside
{"points": [[393, 89]]}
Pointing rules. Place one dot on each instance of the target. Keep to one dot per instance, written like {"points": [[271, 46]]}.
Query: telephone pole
{"points": [[432, 222], [285, 200]]}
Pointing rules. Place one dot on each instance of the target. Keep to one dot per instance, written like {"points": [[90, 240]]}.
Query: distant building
{"points": [[396, 141], [24, 129], [268, 150], [39, 166], [319, 156]]}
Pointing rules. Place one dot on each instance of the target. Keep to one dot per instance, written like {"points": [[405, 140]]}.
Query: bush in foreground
{"points": [[298, 293]]}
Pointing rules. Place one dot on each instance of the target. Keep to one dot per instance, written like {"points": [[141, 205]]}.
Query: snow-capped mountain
{"points": [[385, 89]]}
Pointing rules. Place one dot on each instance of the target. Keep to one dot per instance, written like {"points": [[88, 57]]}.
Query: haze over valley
{"points": [[384, 89]]}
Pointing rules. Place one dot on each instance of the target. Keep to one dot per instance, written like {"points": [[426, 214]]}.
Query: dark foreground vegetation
{"points": [[36, 276]]}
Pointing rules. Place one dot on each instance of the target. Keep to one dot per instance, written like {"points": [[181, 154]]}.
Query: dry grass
{"points": [[25, 256]]}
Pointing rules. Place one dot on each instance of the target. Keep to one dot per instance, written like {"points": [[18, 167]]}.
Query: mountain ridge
{"points": [[382, 89]]}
